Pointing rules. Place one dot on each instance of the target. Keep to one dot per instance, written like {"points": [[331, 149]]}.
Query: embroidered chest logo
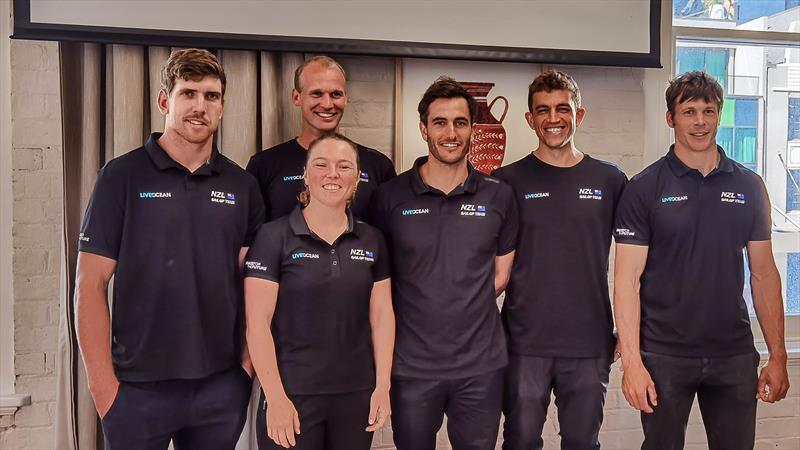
{"points": [[731, 197], [674, 199], [305, 255], [535, 195], [590, 194], [414, 212], [255, 265], [473, 210], [223, 197], [292, 178], [358, 254], [147, 195]]}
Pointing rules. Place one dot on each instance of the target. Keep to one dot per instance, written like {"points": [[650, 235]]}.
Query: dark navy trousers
{"points": [[207, 413]]}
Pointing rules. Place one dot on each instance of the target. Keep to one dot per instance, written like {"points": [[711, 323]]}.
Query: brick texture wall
{"points": [[615, 103]]}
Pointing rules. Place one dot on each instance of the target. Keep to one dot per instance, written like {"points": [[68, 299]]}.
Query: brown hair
{"points": [[693, 85], [445, 87], [554, 80], [325, 61], [305, 195], [190, 64]]}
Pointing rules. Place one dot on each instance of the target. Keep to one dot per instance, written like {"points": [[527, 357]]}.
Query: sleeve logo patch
{"points": [[357, 254], [255, 265], [731, 197], [590, 194], [83, 238], [624, 232], [364, 177], [223, 197], [147, 195]]}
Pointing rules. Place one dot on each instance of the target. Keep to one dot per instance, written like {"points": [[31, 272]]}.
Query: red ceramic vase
{"points": [[488, 135]]}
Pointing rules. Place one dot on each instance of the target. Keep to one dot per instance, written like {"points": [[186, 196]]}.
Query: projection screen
{"points": [[592, 32]]}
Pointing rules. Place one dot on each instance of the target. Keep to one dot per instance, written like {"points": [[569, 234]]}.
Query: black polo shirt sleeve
{"points": [[265, 256], [762, 214], [507, 241], [256, 215], [263, 177], [382, 268], [633, 213], [101, 231]]}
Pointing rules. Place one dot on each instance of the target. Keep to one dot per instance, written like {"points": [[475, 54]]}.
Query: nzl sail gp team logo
{"points": [[292, 178], [155, 195], [731, 197], [590, 194], [473, 210], [223, 197], [535, 195], [674, 199], [414, 212], [364, 177], [305, 255], [358, 254]]}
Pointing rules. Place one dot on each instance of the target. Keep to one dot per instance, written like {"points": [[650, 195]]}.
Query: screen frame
{"points": [[25, 29]]}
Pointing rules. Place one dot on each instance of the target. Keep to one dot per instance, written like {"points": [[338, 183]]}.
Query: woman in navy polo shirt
{"points": [[320, 325]]}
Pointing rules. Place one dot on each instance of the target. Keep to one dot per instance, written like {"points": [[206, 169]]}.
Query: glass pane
{"points": [[744, 149], [728, 111], [793, 190], [793, 283], [725, 140], [763, 15], [794, 118], [746, 112]]}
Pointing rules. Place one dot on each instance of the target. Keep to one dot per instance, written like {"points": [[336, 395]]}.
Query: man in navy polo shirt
{"points": [[557, 311], [452, 233], [171, 221], [684, 328], [319, 92]]}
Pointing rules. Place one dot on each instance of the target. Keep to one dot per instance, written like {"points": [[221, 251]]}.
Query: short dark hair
{"points": [[325, 61], [554, 80], [693, 85], [446, 87], [191, 64], [305, 195]]}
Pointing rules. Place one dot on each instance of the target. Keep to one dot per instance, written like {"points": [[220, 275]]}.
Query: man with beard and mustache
{"points": [[452, 233], [557, 310], [319, 91], [171, 221]]}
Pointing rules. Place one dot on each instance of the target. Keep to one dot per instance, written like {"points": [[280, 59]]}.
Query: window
{"points": [[750, 46]]}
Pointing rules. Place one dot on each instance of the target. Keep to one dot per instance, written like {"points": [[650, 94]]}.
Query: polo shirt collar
{"points": [[470, 185], [680, 169], [163, 161], [298, 225]]}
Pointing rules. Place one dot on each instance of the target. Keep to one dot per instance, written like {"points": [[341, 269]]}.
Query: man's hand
{"points": [[773, 381], [379, 409], [104, 394], [283, 422], [638, 387]]}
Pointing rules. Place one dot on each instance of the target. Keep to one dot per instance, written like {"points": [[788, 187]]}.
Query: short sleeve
{"points": [[387, 170], [762, 214], [382, 269], [255, 169], [507, 241], [101, 230], [256, 215], [632, 225], [264, 258]]}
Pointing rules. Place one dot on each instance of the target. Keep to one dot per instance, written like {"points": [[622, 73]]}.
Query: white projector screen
{"points": [[597, 32]]}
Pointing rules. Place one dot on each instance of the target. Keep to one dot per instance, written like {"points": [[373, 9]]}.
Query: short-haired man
{"points": [[557, 311], [171, 221], [682, 225], [319, 92], [452, 233]]}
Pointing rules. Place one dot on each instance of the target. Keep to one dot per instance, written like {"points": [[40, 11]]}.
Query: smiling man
{"points": [[171, 222], [557, 311], [319, 91], [452, 233], [684, 329]]}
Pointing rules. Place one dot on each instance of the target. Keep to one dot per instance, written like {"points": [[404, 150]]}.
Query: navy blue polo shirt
{"points": [[321, 326], [557, 302], [443, 251], [695, 229], [176, 236], [279, 171]]}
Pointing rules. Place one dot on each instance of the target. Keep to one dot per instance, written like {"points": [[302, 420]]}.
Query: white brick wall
{"points": [[612, 130]]}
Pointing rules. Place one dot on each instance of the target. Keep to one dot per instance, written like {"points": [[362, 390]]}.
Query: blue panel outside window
{"points": [[745, 147], [793, 283], [794, 118], [792, 193], [725, 140], [746, 112]]}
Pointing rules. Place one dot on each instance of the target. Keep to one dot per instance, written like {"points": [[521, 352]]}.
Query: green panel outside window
{"points": [[728, 112], [717, 65]]}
